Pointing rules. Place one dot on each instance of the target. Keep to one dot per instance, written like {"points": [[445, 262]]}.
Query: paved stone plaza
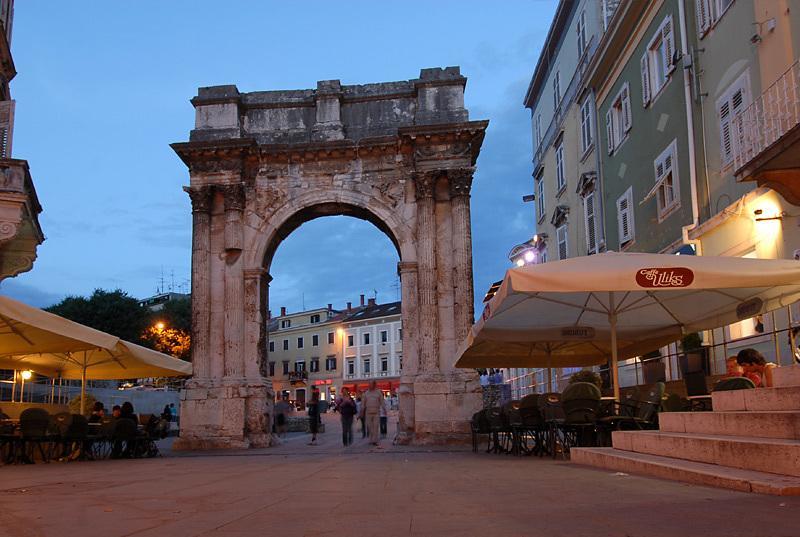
{"points": [[295, 489]]}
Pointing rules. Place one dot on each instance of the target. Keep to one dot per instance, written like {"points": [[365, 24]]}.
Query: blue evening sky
{"points": [[104, 87]]}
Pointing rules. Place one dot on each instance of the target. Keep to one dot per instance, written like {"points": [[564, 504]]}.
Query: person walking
{"points": [[313, 417], [347, 409], [359, 411], [282, 411], [371, 404], [384, 420]]}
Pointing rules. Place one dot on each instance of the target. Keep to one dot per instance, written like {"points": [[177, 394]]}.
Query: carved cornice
{"points": [[405, 266], [234, 196], [201, 198], [460, 181]]}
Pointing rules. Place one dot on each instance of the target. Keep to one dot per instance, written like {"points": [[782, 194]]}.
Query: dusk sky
{"points": [[104, 87]]}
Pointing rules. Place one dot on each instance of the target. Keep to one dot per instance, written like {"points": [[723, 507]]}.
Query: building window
{"points": [[315, 318], [590, 218], [561, 181], [285, 367], [400, 362], [286, 344], [581, 30], [330, 363], [384, 364], [366, 338], [350, 340], [709, 12], [625, 222], [287, 323], [561, 236], [586, 126], [351, 367], [618, 118], [609, 7], [330, 338], [299, 366], [399, 334], [667, 188], [272, 369], [299, 343], [732, 103], [657, 62], [315, 365], [537, 130], [384, 336], [367, 367], [556, 90], [315, 340], [540, 204], [271, 346]]}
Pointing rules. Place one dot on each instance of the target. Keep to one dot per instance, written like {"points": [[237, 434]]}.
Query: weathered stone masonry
{"points": [[400, 155]]}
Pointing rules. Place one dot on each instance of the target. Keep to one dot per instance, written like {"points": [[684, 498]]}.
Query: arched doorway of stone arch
{"points": [[334, 316]]}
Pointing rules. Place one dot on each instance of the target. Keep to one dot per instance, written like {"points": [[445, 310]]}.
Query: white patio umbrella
{"points": [[621, 305], [51, 345]]}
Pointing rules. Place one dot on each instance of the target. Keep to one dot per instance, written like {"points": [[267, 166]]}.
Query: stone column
{"points": [[256, 285], [411, 365], [424, 185], [234, 281], [201, 220], [460, 182]]}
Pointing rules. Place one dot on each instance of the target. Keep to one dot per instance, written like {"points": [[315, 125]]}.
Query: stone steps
{"points": [[760, 399], [780, 456], [687, 471], [763, 424]]}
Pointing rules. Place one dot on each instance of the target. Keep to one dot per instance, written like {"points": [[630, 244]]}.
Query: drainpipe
{"points": [[687, 96]]}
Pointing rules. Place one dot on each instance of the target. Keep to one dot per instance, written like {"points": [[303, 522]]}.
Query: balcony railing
{"points": [[774, 113]]}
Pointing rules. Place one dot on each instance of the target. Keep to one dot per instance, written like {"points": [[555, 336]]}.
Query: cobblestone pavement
{"points": [[296, 489]]}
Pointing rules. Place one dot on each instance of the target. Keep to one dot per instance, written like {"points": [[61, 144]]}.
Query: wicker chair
{"points": [[581, 404]]}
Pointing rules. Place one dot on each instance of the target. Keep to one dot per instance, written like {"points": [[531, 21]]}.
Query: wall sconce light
{"points": [[761, 217]]}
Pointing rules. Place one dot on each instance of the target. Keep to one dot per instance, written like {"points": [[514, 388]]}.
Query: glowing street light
{"points": [[159, 326], [26, 374]]}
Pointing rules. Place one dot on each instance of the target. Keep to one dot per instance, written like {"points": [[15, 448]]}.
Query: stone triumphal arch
{"points": [[399, 154]]}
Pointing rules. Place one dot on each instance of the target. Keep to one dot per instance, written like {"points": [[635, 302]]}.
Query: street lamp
{"points": [[160, 326], [24, 375]]}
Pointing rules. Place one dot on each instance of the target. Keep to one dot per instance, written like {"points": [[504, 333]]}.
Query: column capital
{"points": [[255, 273], [234, 196], [460, 181], [406, 267], [201, 197], [425, 183]]}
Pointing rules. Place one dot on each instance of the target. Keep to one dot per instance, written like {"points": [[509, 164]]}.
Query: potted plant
{"points": [[587, 375], [695, 356]]}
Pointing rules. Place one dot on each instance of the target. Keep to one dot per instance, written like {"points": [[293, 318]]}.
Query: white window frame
{"points": [[661, 47], [562, 240], [580, 29], [619, 119], [726, 111], [625, 208], [590, 222], [537, 129], [556, 90], [561, 179], [541, 206], [587, 140], [667, 188], [704, 16]]}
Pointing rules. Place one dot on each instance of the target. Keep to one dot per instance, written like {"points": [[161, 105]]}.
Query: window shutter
{"points": [[561, 234], [6, 127], [725, 131], [610, 130], [668, 36], [626, 108], [645, 80], [624, 217], [703, 16], [591, 233]]}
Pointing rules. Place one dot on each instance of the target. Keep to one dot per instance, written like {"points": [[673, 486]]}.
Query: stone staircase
{"points": [[750, 442]]}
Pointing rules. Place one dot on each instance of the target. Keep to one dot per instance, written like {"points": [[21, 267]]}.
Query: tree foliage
{"points": [[114, 312]]}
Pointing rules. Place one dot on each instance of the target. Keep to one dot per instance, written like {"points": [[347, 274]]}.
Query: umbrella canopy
{"points": [[584, 310], [25, 329], [51, 345]]}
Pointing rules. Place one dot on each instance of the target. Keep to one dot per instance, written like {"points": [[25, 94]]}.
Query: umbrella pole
{"points": [[549, 372], [83, 390], [612, 319]]}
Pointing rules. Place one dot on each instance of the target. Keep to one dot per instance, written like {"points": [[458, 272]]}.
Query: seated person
{"points": [[116, 411], [97, 413], [755, 367], [127, 412], [732, 367]]}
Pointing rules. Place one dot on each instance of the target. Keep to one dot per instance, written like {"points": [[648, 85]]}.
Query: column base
{"points": [[442, 406], [234, 414]]}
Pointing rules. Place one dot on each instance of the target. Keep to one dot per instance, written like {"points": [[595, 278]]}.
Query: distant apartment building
{"points": [[373, 347], [327, 349]]}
